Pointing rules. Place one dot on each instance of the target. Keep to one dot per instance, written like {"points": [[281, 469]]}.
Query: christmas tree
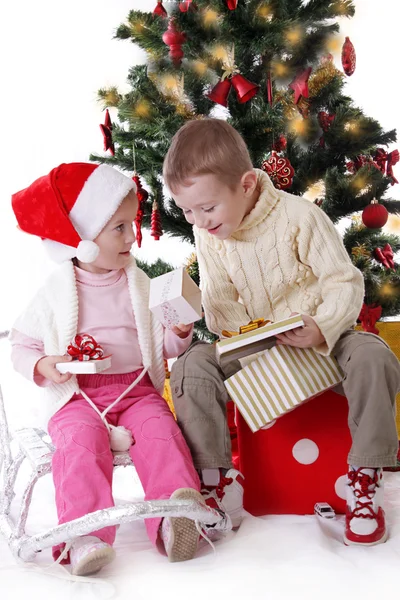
{"points": [[266, 66]]}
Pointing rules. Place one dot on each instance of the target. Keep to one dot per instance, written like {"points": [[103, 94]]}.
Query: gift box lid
{"points": [[175, 298], [256, 340]]}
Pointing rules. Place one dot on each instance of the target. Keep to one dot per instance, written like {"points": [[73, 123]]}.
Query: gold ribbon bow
{"points": [[253, 324]]}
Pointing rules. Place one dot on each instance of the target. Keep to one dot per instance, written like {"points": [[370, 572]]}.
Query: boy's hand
{"points": [[308, 336], [181, 330], [46, 367]]}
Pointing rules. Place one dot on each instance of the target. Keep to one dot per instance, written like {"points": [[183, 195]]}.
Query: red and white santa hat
{"points": [[70, 206]]}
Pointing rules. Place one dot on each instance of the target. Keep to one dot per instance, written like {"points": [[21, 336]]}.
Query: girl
{"points": [[84, 214]]}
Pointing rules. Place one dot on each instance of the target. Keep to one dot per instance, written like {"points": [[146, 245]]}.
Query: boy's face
{"points": [[116, 239], [210, 204]]}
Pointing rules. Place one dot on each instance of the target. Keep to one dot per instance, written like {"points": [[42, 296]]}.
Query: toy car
{"points": [[323, 509]]}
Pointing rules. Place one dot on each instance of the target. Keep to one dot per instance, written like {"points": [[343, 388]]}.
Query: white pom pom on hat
{"points": [[70, 206]]}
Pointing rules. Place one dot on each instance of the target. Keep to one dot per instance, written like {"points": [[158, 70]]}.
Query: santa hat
{"points": [[70, 206]]}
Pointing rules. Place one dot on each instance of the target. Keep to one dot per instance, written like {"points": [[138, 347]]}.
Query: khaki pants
{"points": [[371, 382]]}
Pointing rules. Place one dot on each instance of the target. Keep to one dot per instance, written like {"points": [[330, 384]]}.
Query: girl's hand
{"points": [[46, 367], [308, 336], [181, 330]]}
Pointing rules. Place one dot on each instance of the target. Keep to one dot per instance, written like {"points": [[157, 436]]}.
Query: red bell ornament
{"points": [[220, 92], [374, 216], [174, 39], [231, 4], [348, 57], [245, 89]]}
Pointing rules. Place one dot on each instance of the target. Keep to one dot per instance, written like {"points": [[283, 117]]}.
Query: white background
{"points": [[54, 58]]}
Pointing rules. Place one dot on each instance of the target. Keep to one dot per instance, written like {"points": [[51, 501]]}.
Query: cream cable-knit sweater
{"points": [[285, 257], [52, 317]]}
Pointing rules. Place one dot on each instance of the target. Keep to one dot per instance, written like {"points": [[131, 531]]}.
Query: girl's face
{"points": [[116, 239]]}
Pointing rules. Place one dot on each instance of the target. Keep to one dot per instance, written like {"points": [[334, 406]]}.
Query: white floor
{"points": [[274, 557]]}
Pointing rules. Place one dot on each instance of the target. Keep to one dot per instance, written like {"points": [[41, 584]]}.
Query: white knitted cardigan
{"points": [[52, 317]]}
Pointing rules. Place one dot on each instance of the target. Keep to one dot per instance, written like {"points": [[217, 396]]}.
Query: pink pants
{"points": [[83, 462]]}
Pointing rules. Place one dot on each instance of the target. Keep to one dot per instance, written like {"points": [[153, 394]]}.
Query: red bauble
{"points": [[156, 229], [220, 92], [374, 216], [245, 89], [186, 5], [174, 39], [279, 169], [231, 4], [348, 57], [107, 135], [142, 196], [160, 10]]}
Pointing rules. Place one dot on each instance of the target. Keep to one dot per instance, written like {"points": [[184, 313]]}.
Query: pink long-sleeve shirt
{"points": [[105, 312]]}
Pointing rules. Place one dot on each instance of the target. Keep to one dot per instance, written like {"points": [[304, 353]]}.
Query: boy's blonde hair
{"points": [[206, 146]]}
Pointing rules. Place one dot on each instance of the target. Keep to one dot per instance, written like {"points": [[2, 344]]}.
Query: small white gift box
{"points": [[79, 367], [175, 298]]}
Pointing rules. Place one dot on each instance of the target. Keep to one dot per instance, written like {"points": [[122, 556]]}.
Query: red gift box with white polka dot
{"points": [[297, 461]]}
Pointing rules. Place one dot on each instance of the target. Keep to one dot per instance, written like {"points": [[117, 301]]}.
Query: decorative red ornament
{"points": [[220, 92], [279, 169], [300, 84], [107, 135], [84, 347], [368, 316], [231, 4], [245, 89], [186, 5], [280, 144], [156, 229], [374, 216], [142, 196], [348, 57], [360, 161], [385, 256], [269, 89], [381, 157], [325, 120], [174, 39], [159, 10]]}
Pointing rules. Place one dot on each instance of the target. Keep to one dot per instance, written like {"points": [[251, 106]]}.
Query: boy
{"points": [[265, 253]]}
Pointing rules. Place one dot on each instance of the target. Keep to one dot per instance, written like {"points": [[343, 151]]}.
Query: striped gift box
{"points": [[278, 381]]}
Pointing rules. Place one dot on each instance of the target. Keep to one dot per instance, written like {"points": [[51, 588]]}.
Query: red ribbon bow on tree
{"points": [[85, 347], [382, 157], [369, 315], [385, 256]]}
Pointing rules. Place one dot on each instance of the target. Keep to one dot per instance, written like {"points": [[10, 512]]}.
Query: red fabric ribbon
{"points": [[385, 256], [382, 158], [369, 315], [85, 347]]}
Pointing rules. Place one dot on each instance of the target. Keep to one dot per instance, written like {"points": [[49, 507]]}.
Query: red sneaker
{"points": [[365, 517], [227, 496]]}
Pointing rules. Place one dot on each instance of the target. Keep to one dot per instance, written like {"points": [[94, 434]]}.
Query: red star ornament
{"points": [[300, 84], [107, 135]]}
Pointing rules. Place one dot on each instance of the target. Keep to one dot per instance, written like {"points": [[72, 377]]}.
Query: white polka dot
{"points": [[340, 486], [305, 451], [268, 425]]}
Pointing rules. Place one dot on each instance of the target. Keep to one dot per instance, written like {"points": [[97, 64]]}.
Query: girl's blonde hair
{"points": [[206, 146]]}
